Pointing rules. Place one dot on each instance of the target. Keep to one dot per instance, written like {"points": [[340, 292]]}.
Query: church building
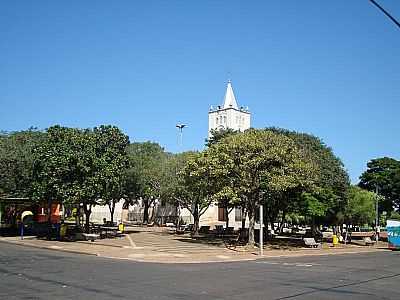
{"points": [[229, 115]]}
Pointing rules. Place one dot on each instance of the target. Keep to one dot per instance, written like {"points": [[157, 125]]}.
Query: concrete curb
{"points": [[48, 248]]}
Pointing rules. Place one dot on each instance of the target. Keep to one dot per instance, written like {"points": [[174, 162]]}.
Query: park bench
{"points": [[310, 242], [204, 229], [91, 236], [368, 241], [219, 230], [231, 241]]}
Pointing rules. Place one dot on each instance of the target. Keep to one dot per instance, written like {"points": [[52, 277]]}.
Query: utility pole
{"points": [[376, 214], [261, 231]]}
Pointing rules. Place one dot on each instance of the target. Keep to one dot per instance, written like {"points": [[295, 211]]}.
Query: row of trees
{"points": [[80, 167], [294, 175]]}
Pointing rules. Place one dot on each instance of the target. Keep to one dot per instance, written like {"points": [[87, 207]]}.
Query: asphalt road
{"points": [[27, 273]]}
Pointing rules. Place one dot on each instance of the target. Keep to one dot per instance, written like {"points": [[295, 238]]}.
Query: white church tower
{"points": [[229, 115]]}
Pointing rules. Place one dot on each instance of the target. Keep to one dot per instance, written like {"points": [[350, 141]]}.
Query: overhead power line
{"points": [[385, 12]]}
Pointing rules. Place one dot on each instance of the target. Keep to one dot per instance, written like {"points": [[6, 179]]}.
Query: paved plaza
{"points": [[163, 246]]}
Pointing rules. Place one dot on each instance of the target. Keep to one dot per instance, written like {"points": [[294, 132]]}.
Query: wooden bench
{"points": [[368, 241], [310, 242]]}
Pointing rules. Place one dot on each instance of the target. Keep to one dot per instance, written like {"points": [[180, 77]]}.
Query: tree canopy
{"points": [[16, 161], [383, 174]]}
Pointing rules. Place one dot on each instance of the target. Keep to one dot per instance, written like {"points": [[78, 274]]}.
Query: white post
{"points": [[376, 216], [261, 231]]}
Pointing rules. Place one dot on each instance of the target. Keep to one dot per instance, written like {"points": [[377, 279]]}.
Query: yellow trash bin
{"points": [[335, 240], [63, 230], [121, 227]]}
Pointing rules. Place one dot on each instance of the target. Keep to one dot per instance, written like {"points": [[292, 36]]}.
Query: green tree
{"points": [[79, 167], [331, 182], [360, 208], [16, 161], [148, 161], [57, 165], [112, 163], [257, 162], [194, 186], [383, 174], [219, 134]]}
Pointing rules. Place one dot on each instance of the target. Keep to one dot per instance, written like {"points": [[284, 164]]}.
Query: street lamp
{"points": [[180, 127]]}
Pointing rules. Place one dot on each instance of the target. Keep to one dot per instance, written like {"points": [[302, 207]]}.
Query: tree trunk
{"points": [[88, 211], [146, 211], [282, 222], [196, 219], [111, 207], [49, 202], [227, 217], [244, 212], [251, 227]]}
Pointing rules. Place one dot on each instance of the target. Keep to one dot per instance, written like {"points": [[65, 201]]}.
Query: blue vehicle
{"points": [[393, 231]]}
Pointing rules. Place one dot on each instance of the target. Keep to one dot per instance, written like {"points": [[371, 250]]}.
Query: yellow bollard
{"points": [[121, 227], [335, 240]]}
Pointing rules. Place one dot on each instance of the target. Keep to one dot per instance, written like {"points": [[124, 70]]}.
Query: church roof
{"points": [[230, 100]]}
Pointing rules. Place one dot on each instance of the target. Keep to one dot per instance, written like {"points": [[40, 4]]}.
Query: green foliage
{"points": [[112, 162], [257, 163], [16, 161], [360, 208], [80, 166], [331, 180], [218, 134], [148, 165], [195, 184], [384, 174], [395, 215]]}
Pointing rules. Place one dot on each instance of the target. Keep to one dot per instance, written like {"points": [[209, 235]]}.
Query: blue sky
{"points": [[330, 68]]}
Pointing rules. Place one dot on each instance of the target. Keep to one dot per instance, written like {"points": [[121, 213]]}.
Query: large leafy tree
{"points": [[59, 164], [383, 175], [256, 162], [16, 161], [148, 163], [112, 163], [360, 207], [328, 197], [79, 167], [194, 187]]}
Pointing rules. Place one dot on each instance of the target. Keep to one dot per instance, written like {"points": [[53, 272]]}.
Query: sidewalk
{"points": [[160, 246]]}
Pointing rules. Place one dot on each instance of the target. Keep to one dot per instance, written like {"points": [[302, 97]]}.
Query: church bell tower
{"points": [[229, 115]]}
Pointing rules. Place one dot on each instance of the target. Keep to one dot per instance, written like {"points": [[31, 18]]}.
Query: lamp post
{"points": [[376, 214], [180, 127]]}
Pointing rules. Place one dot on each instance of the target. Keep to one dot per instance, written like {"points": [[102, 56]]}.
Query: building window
{"points": [[221, 213], [224, 119]]}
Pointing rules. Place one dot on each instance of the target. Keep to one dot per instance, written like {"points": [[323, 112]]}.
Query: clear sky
{"points": [[330, 68]]}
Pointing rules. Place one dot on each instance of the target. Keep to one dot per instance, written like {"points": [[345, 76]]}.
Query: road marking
{"points": [[295, 264], [223, 256], [131, 241]]}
